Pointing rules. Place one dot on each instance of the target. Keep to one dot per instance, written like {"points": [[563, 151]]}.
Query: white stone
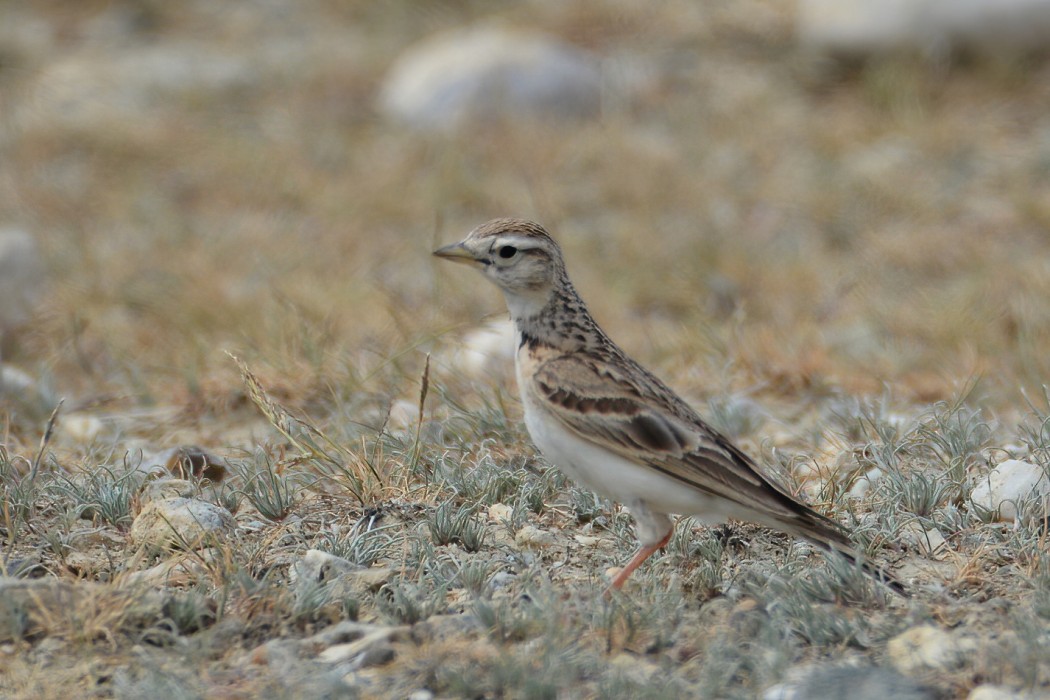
{"points": [[929, 541], [861, 26], [404, 415], [341, 577], [489, 72], [180, 571], [633, 667], [30, 607], [533, 537], [82, 427], [160, 489], [21, 276], [376, 640], [487, 351], [781, 691], [857, 682], [489, 345], [498, 512], [179, 523], [1010, 483], [319, 567], [14, 381], [993, 692], [811, 477], [862, 486], [145, 460], [927, 648]]}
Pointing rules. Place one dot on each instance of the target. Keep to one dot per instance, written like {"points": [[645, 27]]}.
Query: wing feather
{"points": [[647, 423]]}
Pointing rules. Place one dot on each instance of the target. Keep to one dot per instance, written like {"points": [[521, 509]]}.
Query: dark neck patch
{"points": [[532, 341]]}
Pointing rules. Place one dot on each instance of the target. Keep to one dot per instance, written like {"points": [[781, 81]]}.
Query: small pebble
{"points": [[498, 512], [863, 485], [82, 427], [159, 489], [530, 536], [928, 540], [404, 415], [501, 579], [836, 682], [993, 692], [316, 567], [927, 648]]}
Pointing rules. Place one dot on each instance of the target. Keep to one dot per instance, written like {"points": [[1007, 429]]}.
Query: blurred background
{"points": [[792, 200]]}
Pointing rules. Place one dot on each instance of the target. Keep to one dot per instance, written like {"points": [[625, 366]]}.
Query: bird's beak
{"points": [[456, 252]]}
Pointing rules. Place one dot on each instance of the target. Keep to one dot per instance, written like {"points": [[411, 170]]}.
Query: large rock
{"points": [[862, 26], [491, 73], [175, 523], [1011, 483]]}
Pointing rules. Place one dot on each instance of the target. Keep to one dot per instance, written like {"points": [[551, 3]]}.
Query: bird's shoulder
{"points": [[605, 381], [607, 397]]}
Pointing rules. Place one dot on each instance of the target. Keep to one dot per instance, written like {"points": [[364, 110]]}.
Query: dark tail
{"points": [[831, 536]]}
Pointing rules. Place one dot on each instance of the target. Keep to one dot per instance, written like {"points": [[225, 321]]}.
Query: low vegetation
{"points": [[841, 264]]}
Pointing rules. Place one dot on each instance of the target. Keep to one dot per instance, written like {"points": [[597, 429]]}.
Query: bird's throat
{"points": [[561, 322]]}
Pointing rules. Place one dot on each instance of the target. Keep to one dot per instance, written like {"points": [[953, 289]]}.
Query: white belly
{"points": [[611, 475]]}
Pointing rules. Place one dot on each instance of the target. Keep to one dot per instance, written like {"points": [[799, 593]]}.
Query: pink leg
{"points": [[640, 556]]}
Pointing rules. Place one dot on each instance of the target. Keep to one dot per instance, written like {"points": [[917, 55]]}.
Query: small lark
{"points": [[608, 423]]}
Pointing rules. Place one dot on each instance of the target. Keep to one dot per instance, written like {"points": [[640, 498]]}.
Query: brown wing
{"points": [[639, 418]]}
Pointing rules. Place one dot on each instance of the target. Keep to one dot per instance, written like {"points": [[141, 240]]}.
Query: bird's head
{"points": [[519, 256]]}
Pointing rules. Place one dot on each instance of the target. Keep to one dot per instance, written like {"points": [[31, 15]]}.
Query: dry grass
{"points": [[750, 224]]}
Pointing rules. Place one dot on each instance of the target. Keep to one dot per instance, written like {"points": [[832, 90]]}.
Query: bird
{"points": [[611, 425]]}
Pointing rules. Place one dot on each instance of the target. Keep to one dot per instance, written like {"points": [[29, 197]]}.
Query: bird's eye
{"points": [[507, 252]]}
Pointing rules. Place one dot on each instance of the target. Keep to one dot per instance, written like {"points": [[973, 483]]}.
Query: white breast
{"points": [[610, 474]]}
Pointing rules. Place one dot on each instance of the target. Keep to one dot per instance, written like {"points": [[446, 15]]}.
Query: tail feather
{"points": [[831, 536]]}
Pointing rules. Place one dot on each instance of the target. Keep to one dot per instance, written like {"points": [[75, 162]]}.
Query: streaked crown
{"points": [[518, 255]]}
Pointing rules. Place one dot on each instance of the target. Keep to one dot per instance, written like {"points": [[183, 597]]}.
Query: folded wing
{"points": [[650, 425]]}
